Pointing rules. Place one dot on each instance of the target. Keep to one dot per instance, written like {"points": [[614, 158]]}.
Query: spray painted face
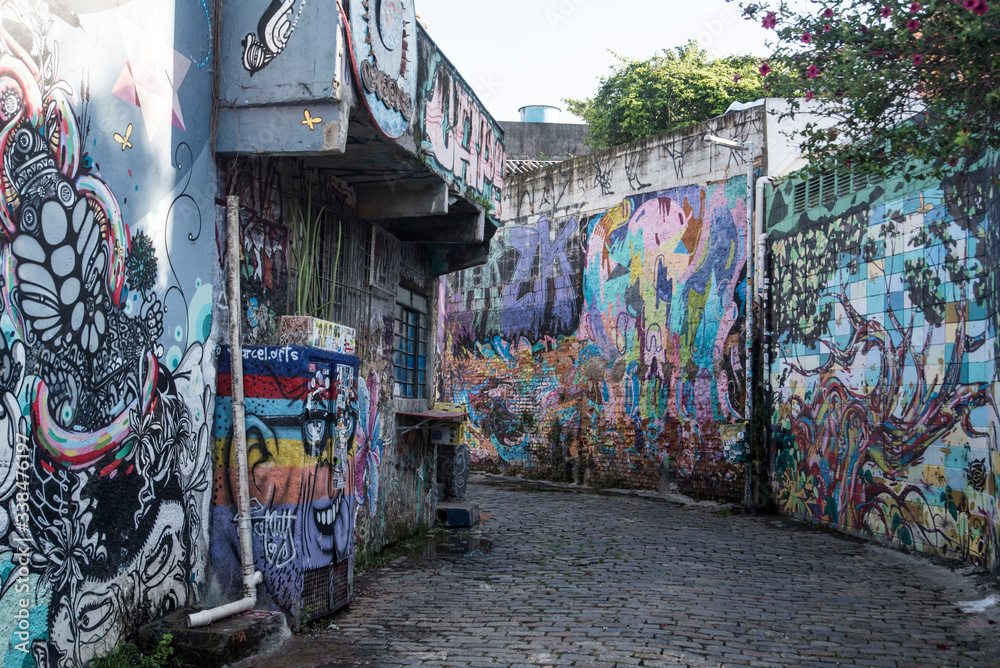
{"points": [[327, 519]]}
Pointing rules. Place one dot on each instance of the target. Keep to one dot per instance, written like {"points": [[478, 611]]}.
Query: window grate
{"points": [[412, 326], [828, 187]]}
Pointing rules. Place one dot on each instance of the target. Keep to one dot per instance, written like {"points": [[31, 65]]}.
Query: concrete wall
{"points": [[107, 346], [884, 316], [544, 141], [606, 330]]}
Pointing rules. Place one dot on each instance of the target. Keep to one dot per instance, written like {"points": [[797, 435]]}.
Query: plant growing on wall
{"points": [[871, 67], [670, 90], [307, 249]]}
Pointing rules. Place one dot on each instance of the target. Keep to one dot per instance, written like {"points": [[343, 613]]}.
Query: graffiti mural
{"points": [[274, 29], [102, 336], [462, 142], [264, 245], [301, 429], [615, 341], [884, 410], [537, 291], [385, 48]]}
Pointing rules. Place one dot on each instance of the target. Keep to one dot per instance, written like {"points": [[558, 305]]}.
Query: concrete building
{"points": [[364, 167]]}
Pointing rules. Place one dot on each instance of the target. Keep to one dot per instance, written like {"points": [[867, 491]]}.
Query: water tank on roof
{"points": [[539, 113]]}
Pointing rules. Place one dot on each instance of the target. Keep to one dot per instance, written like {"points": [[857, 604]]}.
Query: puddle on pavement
{"points": [[459, 544]]}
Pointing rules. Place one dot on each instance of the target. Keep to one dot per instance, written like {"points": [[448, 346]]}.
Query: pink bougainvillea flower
{"points": [[737, 77], [886, 12], [913, 24], [809, 96], [770, 20], [812, 72], [918, 59], [764, 68], [914, 7], [807, 37], [828, 13]]}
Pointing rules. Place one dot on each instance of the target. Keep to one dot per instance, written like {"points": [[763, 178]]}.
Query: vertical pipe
{"points": [[749, 305], [251, 577], [239, 410]]}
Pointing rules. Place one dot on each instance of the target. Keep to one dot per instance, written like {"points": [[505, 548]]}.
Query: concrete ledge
{"points": [[224, 642]]}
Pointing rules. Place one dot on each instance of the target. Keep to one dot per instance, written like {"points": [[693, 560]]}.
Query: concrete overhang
{"points": [[296, 94]]}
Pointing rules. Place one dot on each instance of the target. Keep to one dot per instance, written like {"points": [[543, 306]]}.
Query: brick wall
{"points": [[603, 340]]}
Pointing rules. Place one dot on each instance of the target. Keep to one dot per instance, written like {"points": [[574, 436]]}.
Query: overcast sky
{"points": [[520, 52]]}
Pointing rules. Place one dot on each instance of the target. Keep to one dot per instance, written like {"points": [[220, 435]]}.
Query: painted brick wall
{"points": [[603, 340], [884, 419]]}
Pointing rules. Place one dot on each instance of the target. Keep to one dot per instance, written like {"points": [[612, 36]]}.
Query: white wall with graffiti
{"points": [[106, 370]]}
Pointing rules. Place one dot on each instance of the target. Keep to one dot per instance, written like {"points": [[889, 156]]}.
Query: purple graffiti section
{"points": [[609, 346]]}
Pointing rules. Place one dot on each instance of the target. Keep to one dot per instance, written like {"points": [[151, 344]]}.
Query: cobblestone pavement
{"points": [[585, 579]]}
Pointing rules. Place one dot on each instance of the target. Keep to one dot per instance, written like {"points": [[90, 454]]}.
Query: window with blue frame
{"points": [[411, 344]]}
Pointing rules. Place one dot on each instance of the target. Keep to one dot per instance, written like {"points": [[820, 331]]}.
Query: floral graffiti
{"points": [[885, 420]]}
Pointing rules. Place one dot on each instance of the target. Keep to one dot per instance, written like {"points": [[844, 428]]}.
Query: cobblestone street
{"points": [[575, 578]]}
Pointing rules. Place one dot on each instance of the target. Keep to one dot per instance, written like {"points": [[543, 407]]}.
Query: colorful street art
{"points": [[385, 47], [461, 142], [884, 418], [621, 333], [104, 401], [264, 244], [301, 427]]}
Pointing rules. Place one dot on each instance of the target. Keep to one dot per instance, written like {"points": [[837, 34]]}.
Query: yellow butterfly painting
{"points": [[124, 141]]}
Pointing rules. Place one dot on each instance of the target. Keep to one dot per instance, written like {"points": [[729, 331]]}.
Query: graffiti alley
{"points": [[577, 578]]}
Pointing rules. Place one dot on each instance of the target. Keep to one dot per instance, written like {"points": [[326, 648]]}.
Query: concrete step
{"points": [[222, 643]]}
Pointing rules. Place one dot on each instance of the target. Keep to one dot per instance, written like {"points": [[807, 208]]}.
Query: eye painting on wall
{"points": [[637, 355], [885, 417], [102, 359]]}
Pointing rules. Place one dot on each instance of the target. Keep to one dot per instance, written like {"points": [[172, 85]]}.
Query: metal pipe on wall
{"points": [[750, 326], [251, 576]]}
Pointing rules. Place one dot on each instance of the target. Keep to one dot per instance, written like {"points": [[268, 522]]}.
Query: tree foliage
{"points": [[907, 86], [673, 89]]}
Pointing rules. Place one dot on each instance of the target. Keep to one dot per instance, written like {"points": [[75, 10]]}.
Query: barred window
{"points": [[411, 344]]}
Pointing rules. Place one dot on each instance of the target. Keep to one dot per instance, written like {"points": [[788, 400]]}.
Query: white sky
{"points": [[520, 52]]}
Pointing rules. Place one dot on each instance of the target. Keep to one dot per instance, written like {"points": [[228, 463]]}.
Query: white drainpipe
{"points": [[251, 576]]}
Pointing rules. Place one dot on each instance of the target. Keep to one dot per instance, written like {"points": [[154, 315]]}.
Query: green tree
{"points": [[907, 86], [673, 89]]}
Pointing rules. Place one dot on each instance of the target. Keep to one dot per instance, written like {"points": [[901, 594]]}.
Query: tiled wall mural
{"points": [[884, 319]]}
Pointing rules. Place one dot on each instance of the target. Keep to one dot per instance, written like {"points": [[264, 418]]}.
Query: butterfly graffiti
{"points": [[124, 141]]}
